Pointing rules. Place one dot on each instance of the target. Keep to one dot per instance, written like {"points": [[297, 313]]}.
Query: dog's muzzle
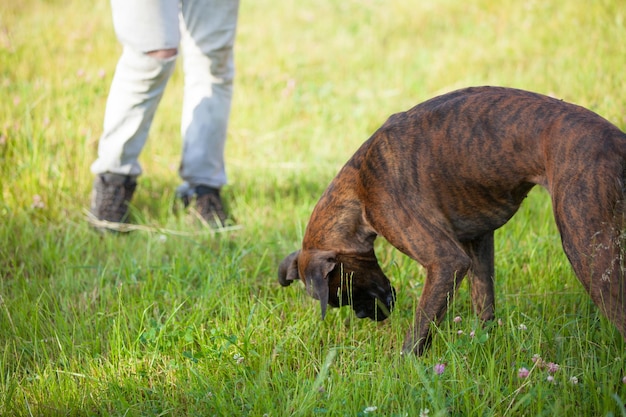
{"points": [[375, 307]]}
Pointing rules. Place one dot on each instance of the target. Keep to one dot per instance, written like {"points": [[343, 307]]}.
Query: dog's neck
{"points": [[337, 222]]}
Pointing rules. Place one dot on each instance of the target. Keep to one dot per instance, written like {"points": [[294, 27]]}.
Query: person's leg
{"points": [[149, 33], [208, 31], [136, 90]]}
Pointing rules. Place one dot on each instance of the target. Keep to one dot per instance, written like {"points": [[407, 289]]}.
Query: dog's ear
{"points": [[288, 269], [320, 264]]}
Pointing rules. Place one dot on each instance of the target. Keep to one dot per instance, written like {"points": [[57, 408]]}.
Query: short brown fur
{"points": [[437, 180]]}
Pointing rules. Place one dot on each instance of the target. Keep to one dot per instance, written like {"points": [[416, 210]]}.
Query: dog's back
{"points": [[502, 126]]}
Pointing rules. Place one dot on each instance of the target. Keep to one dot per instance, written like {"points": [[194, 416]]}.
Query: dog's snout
{"points": [[388, 299], [391, 298], [386, 305], [362, 314], [377, 306]]}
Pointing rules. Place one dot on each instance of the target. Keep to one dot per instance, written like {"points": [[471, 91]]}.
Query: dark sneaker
{"points": [[210, 207], [111, 195], [208, 203]]}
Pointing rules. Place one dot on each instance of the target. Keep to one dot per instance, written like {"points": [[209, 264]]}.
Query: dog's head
{"points": [[338, 280]]}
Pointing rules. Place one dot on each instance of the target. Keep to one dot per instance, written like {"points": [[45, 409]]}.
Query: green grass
{"points": [[177, 321]]}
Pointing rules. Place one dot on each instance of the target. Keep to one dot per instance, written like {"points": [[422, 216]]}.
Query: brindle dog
{"points": [[437, 180]]}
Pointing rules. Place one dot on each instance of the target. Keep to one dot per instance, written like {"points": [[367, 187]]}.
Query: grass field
{"points": [[174, 320]]}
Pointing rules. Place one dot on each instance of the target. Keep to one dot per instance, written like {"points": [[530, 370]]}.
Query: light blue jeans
{"points": [[205, 31]]}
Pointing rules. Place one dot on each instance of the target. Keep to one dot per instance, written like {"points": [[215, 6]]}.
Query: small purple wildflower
{"points": [[553, 367], [550, 378], [457, 319], [439, 368], [523, 373]]}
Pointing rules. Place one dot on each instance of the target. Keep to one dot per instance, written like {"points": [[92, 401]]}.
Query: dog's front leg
{"points": [[480, 275], [441, 282], [428, 240]]}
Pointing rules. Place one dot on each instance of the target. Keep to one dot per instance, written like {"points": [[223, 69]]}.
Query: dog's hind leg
{"points": [[481, 274], [589, 215]]}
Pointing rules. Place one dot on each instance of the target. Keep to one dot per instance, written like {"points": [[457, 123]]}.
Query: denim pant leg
{"points": [[138, 83], [208, 31]]}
